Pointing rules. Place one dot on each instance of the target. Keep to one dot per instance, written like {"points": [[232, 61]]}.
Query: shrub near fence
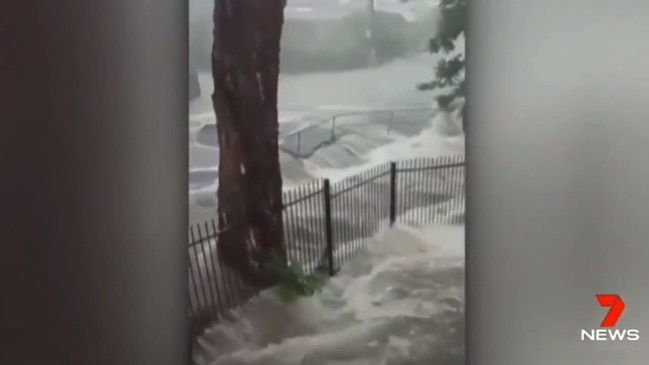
{"points": [[326, 224]]}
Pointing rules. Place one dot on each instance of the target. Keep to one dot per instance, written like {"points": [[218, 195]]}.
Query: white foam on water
{"points": [[442, 137], [439, 138], [399, 302], [315, 96]]}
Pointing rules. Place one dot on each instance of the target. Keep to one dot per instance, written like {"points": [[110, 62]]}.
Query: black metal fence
{"points": [[326, 224]]}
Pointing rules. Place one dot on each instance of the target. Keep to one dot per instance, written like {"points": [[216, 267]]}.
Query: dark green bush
{"points": [[292, 282]]}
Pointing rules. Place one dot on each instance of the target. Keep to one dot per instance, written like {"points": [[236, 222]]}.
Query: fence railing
{"points": [[326, 224], [303, 142]]}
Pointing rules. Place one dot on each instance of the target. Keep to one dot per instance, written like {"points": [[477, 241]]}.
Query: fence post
{"points": [[390, 122], [299, 144], [393, 192], [328, 228]]}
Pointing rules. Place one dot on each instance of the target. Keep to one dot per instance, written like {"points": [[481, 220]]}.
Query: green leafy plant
{"points": [[449, 72], [292, 282]]}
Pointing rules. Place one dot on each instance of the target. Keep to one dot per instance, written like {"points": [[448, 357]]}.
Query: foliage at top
{"points": [[449, 71]]}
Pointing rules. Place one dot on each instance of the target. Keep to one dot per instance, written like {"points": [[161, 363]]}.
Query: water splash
{"points": [[400, 302]]}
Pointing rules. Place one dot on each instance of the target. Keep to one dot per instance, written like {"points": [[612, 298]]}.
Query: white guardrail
{"points": [[333, 122]]}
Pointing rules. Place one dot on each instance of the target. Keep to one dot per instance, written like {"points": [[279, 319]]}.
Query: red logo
{"points": [[616, 304]]}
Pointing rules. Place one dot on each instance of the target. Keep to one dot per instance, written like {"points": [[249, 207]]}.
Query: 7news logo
{"points": [[607, 330]]}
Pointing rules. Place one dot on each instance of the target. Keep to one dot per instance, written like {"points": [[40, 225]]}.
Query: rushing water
{"points": [[399, 303]]}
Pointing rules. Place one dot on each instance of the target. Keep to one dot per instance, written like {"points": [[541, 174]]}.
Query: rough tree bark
{"points": [[245, 67]]}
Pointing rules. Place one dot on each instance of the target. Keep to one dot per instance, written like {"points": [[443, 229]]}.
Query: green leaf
{"points": [[449, 72], [292, 282]]}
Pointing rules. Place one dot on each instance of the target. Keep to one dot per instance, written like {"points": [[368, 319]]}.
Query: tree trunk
{"points": [[245, 66]]}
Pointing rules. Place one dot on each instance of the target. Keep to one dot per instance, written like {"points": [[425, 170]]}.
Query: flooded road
{"points": [[303, 100], [401, 302]]}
